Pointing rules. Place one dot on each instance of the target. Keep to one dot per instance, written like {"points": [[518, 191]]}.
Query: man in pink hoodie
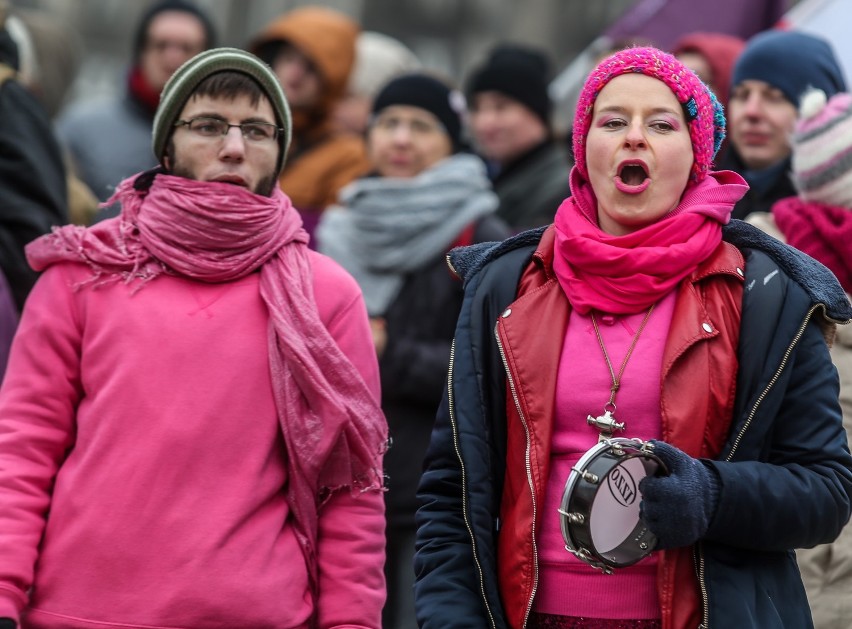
{"points": [[190, 433]]}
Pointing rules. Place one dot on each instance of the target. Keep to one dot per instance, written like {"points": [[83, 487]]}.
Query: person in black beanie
{"points": [[774, 70], [511, 127], [392, 230]]}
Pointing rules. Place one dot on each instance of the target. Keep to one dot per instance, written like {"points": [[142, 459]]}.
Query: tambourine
{"points": [[599, 512]]}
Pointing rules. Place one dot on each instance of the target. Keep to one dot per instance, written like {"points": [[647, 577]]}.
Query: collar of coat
{"points": [[815, 279]]}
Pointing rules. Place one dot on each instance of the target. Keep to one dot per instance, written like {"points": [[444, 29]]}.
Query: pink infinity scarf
{"points": [[333, 428], [627, 274]]}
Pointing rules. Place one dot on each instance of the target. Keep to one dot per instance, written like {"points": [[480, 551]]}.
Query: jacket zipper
{"points": [[529, 471], [774, 379], [465, 514], [705, 598]]}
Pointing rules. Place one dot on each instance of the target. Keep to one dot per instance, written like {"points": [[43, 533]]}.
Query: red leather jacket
{"points": [[701, 349]]}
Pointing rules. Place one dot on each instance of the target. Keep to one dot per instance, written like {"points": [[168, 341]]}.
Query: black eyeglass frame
{"points": [[226, 129]]}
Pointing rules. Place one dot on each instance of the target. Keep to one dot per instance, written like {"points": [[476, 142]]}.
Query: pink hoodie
{"points": [[145, 423]]}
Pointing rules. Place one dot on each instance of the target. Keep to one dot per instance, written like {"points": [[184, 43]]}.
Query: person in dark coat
{"points": [[510, 112], [770, 76], [33, 194], [392, 231], [642, 313], [109, 139]]}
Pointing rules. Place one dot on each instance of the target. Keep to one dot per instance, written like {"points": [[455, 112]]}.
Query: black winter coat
{"points": [[785, 380], [758, 199], [420, 324], [532, 187], [33, 187]]}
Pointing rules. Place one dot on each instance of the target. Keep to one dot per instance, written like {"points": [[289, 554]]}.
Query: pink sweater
{"points": [[145, 423], [568, 586]]}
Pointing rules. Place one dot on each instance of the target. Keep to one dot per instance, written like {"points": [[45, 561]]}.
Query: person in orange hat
{"points": [[312, 51]]}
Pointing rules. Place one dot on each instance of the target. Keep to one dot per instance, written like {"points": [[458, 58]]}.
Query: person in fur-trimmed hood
{"points": [[819, 222], [312, 51]]}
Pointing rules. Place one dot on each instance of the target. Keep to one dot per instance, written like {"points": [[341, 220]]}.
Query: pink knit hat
{"points": [[702, 110]]}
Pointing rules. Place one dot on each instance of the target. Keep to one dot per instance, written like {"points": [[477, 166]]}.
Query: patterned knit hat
{"points": [[702, 110], [822, 149], [186, 79]]}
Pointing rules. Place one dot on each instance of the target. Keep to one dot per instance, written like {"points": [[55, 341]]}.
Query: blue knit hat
{"points": [[792, 62]]}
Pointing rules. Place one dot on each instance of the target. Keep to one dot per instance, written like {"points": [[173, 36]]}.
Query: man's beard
{"points": [[264, 187]]}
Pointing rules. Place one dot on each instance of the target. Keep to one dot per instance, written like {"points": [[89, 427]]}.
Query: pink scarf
{"points": [[626, 274], [822, 231], [333, 428]]}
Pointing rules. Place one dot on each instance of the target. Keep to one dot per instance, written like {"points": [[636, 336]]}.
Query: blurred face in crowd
{"points": [[197, 151], [173, 37], [760, 121], [638, 153], [698, 63], [403, 141], [299, 77], [503, 128], [352, 113]]}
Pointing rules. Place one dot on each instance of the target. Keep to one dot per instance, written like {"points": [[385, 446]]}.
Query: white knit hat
{"points": [[378, 59], [822, 149]]}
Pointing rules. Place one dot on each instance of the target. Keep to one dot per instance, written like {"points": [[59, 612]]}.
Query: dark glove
{"points": [[8, 623], [678, 507]]}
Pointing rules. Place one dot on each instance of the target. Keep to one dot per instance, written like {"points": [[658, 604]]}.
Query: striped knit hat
{"points": [[702, 110], [186, 79], [822, 149]]}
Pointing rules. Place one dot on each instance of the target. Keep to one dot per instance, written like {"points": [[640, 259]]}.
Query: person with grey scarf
{"points": [[392, 231]]}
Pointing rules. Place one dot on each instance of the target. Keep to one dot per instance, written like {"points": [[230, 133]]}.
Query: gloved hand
{"points": [[8, 623], [678, 507]]}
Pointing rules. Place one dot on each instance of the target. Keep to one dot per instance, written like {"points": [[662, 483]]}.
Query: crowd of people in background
{"points": [[298, 316]]}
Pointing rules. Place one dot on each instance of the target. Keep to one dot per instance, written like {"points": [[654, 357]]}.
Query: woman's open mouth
{"points": [[632, 177]]}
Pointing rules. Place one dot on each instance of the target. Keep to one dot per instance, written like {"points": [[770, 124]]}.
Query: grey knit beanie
{"points": [[186, 79]]}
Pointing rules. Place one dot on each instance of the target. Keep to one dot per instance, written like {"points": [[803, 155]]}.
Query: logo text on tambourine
{"points": [[622, 486]]}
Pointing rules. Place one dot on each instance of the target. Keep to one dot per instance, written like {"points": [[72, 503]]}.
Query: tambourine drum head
{"points": [[615, 509], [600, 505]]}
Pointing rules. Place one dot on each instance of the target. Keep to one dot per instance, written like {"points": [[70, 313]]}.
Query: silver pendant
{"points": [[605, 423]]}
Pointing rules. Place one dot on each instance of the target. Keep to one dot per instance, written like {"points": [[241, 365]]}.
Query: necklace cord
{"points": [[616, 380]]}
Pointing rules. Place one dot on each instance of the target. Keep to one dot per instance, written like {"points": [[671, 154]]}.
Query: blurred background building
{"points": [[450, 36]]}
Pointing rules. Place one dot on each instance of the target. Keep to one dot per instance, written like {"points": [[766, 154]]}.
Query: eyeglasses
{"points": [[213, 128]]}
